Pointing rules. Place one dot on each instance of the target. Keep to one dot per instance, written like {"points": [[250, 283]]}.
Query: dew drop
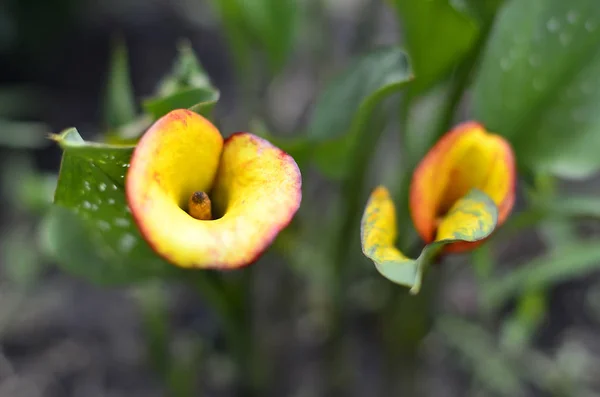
{"points": [[564, 39], [121, 222], [538, 84], [534, 60], [102, 187], [127, 242], [553, 25], [572, 17], [87, 205], [590, 25], [103, 225], [110, 201], [114, 187], [125, 165]]}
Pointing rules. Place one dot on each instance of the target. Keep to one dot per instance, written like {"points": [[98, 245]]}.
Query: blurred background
{"points": [[61, 335]]}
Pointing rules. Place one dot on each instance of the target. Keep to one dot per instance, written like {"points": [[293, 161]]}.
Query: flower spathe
{"points": [[245, 191], [460, 192], [466, 158]]}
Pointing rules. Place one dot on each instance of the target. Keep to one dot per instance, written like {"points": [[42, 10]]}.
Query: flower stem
{"points": [[351, 201], [229, 302]]}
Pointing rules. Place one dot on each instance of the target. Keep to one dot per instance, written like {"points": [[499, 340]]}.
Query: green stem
{"points": [[405, 320], [351, 201], [230, 303]]}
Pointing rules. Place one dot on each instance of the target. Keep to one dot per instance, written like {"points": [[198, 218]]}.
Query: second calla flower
{"points": [[466, 158], [460, 192], [201, 201]]}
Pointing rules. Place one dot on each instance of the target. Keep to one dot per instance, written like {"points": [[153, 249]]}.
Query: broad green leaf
{"points": [[472, 218], [91, 231], [437, 37], [343, 112], [537, 84], [483, 9], [566, 263], [187, 86], [119, 106]]}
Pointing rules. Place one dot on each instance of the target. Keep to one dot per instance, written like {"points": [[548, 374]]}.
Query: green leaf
{"points": [[437, 37], [188, 86], [472, 218], [422, 120], [91, 231], [267, 25], [483, 9], [562, 264], [537, 84], [119, 104], [273, 22], [343, 112], [200, 100]]}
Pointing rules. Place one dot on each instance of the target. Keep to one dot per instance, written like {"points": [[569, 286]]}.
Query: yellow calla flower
{"points": [[466, 158], [460, 192], [203, 202]]}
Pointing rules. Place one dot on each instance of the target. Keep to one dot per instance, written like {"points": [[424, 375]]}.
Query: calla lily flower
{"points": [[204, 202], [460, 192], [466, 158]]}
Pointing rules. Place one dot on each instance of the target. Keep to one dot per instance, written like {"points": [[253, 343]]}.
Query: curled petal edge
{"points": [[473, 218]]}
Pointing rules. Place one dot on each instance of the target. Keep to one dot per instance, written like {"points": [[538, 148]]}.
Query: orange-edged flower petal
{"points": [[466, 158], [178, 156], [240, 193], [470, 219], [257, 191]]}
